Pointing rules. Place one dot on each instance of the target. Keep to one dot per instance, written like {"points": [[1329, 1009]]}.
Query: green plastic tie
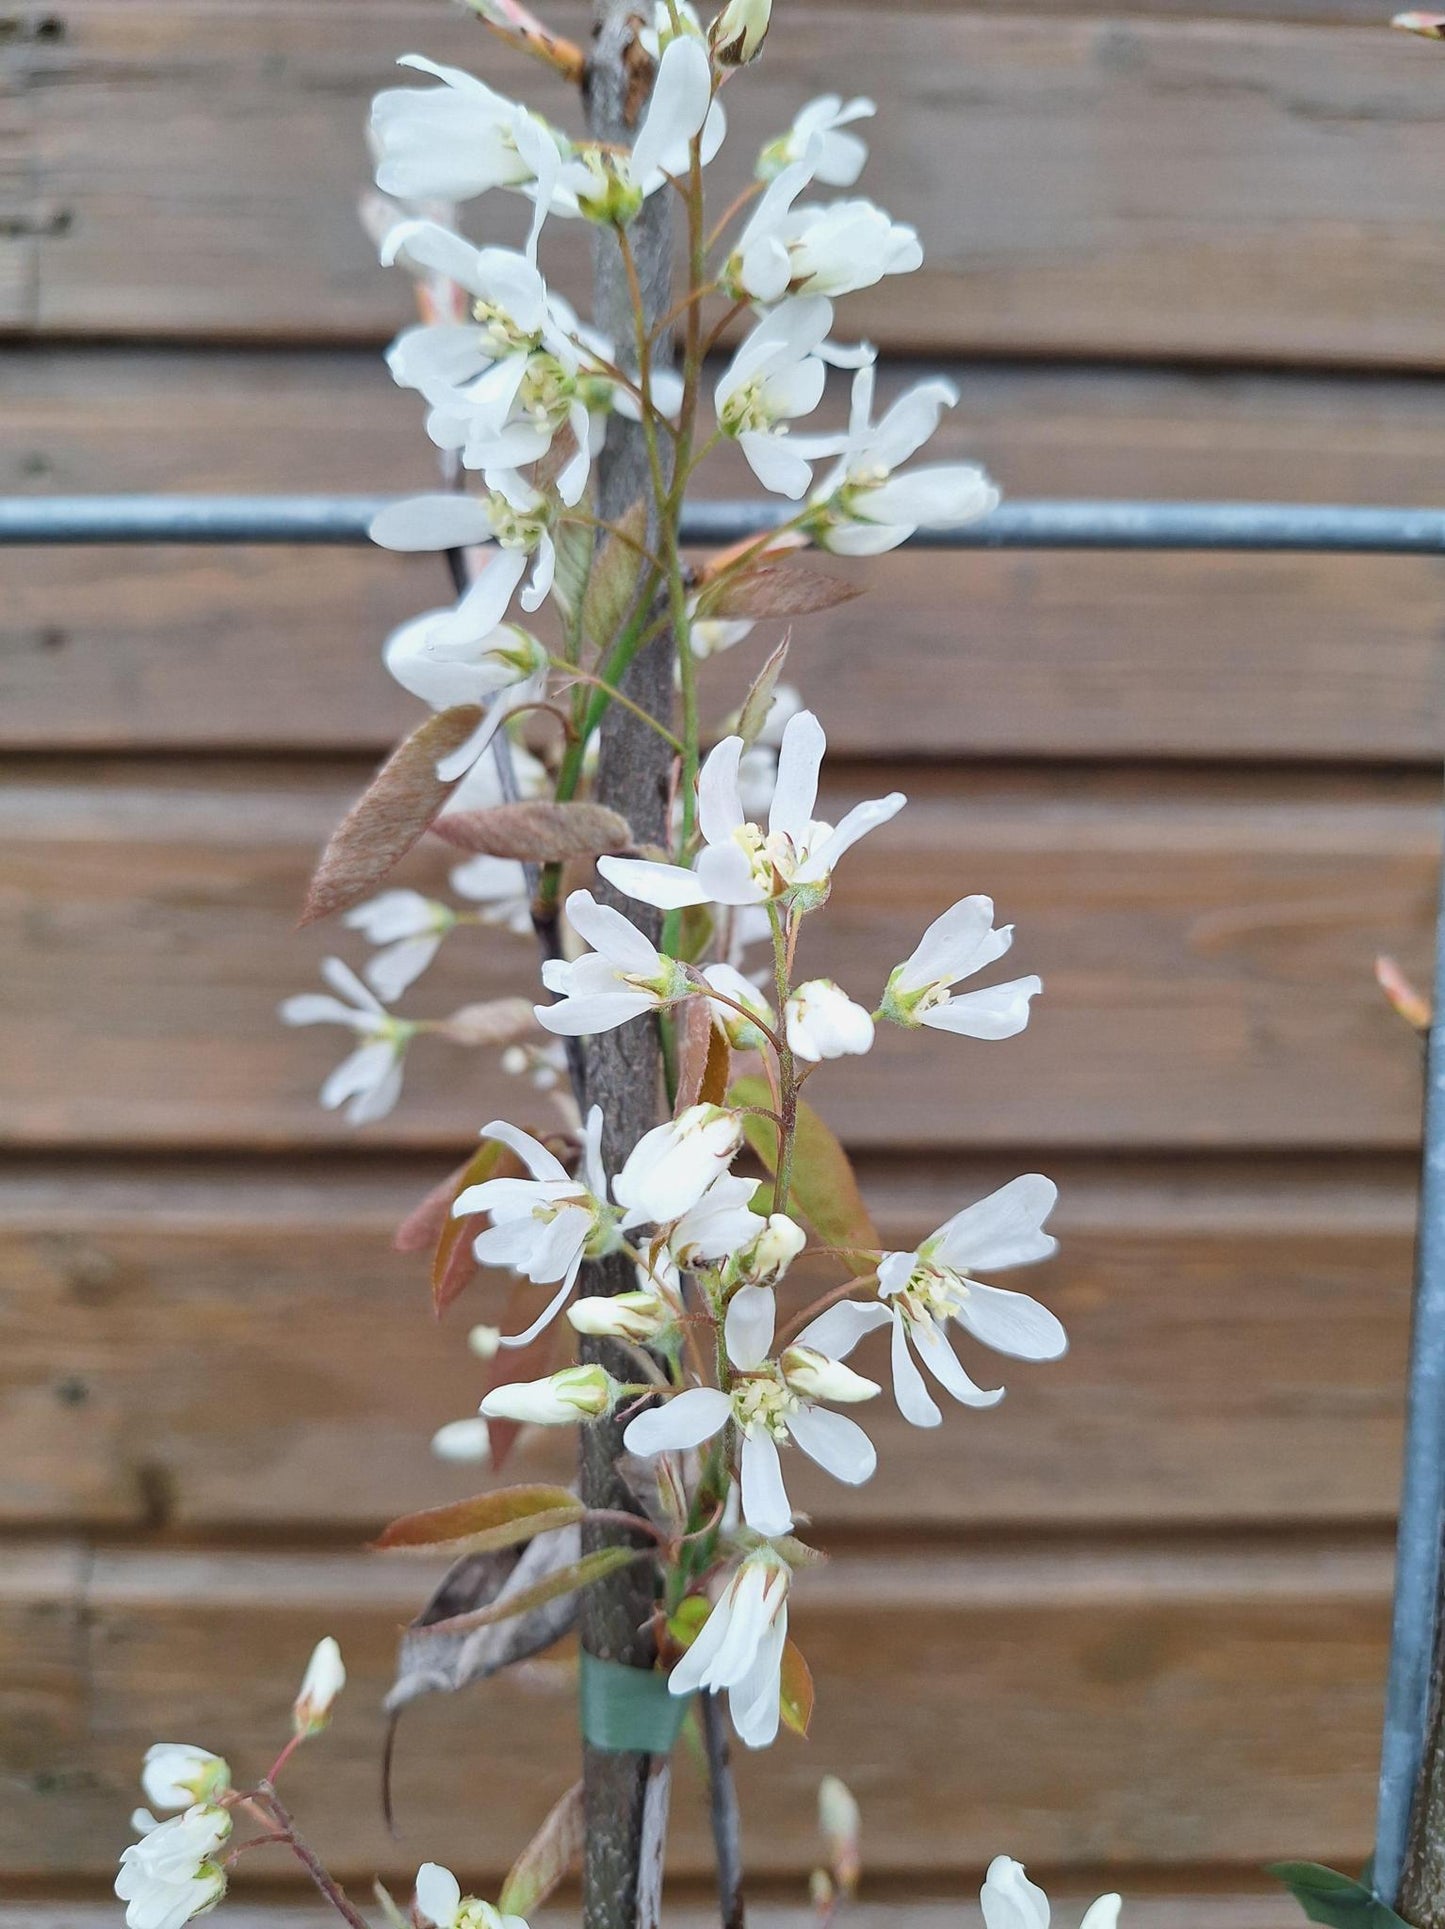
{"points": [[628, 1710]]}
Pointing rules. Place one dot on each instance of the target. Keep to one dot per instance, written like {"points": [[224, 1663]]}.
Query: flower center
{"points": [[762, 1403], [747, 409], [546, 392], [500, 333], [516, 528], [932, 1293]]}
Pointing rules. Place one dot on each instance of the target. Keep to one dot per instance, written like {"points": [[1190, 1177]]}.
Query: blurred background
{"points": [[1131, 1627]]}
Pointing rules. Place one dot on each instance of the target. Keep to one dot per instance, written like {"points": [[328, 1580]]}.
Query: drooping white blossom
{"points": [[561, 1400], [409, 928], [740, 863], [440, 1900], [837, 158], [638, 1317], [610, 184], [498, 888], [169, 1876], [772, 1401], [742, 1034], [824, 1022], [514, 518], [463, 1442], [739, 1648], [807, 249], [1011, 1901], [864, 508], [368, 1081], [445, 658], [767, 1259], [178, 1775], [737, 34], [919, 1292], [322, 1682], [623, 976], [671, 1167], [956, 945], [721, 1223], [543, 1227], [776, 376]]}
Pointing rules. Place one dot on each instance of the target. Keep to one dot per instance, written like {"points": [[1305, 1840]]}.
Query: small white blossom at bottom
{"points": [[919, 1292], [439, 1898], [169, 1877], [824, 1022], [322, 1682], [772, 1401], [177, 1775], [740, 1647], [955, 946], [1011, 1901], [465, 1442], [368, 1081]]}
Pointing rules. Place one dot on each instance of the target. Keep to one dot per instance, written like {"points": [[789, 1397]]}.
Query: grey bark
{"points": [[623, 1067], [1422, 1884]]}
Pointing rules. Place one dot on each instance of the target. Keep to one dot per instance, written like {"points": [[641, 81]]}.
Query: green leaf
{"points": [[574, 542], [1334, 1899], [616, 572], [566, 1580], [486, 1522], [547, 1857], [824, 1190], [759, 699]]}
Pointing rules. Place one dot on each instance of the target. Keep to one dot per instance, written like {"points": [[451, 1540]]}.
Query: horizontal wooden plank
{"points": [[1112, 1706], [1006, 655], [1207, 949], [1083, 185], [219, 1353]]}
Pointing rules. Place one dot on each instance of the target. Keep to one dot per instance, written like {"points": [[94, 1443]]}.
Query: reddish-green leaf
{"points": [[487, 1521], [780, 589], [567, 1580], [539, 833], [546, 1859], [797, 1689], [427, 1220], [704, 1057], [452, 1263], [390, 815], [759, 699], [824, 1190], [613, 581]]}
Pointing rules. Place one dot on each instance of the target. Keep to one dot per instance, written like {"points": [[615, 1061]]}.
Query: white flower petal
{"points": [[1012, 1323], [914, 1400], [1010, 1900], [1005, 1229], [997, 1011], [765, 1499], [437, 521], [541, 1163], [838, 1444], [752, 1317], [668, 886], [837, 1331], [719, 808], [438, 1894], [684, 1421], [615, 936], [799, 759], [942, 1362]]}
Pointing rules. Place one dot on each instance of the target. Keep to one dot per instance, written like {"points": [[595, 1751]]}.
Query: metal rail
{"points": [[1251, 526], [1214, 526]]}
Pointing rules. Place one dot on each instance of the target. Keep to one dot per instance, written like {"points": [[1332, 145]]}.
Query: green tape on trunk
{"points": [[629, 1710]]}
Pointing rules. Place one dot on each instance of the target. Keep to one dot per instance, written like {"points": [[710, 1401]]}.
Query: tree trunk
{"points": [[625, 1794]]}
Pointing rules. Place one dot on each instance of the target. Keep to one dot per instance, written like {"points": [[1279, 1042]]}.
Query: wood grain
{"points": [[1119, 1706], [1011, 655], [1116, 187], [1207, 948], [218, 1353]]}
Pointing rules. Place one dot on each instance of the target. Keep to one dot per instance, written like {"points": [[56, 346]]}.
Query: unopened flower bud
{"points": [[823, 1022], [576, 1393], [737, 34], [322, 1682], [176, 1775], [841, 1825], [485, 1341], [817, 1377], [623, 1316], [772, 1252], [821, 1892]]}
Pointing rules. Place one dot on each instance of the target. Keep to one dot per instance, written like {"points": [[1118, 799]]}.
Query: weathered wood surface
{"points": [[1099, 185], [210, 1352], [1010, 655], [1207, 948], [1122, 1705]]}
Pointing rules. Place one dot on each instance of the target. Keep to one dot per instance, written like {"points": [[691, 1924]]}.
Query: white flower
{"points": [[739, 1648], [623, 976], [544, 1065], [1011, 1901], [481, 788], [737, 34], [322, 1682], [576, 1393], [410, 927], [765, 1261], [610, 185], [639, 1316], [467, 1442], [177, 1774], [168, 1877], [823, 1022], [812, 250], [543, 1227], [439, 1898], [921, 1291], [710, 636], [498, 886], [671, 1167], [722, 1222], [837, 158], [368, 1082], [514, 517], [776, 376], [739, 862], [445, 658], [742, 1034], [771, 1401], [955, 946], [863, 508]]}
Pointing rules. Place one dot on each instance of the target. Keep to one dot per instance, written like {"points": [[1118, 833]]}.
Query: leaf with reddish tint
{"points": [[544, 1862], [613, 581], [538, 833], [797, 1689], [1406, 999], [567, 1580], [452, 1262], [531, 1362], [704, 1057], [487, 1521], [759, 700], [427, 1220], [824, 1189], [779, 589], [390, 815]]}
